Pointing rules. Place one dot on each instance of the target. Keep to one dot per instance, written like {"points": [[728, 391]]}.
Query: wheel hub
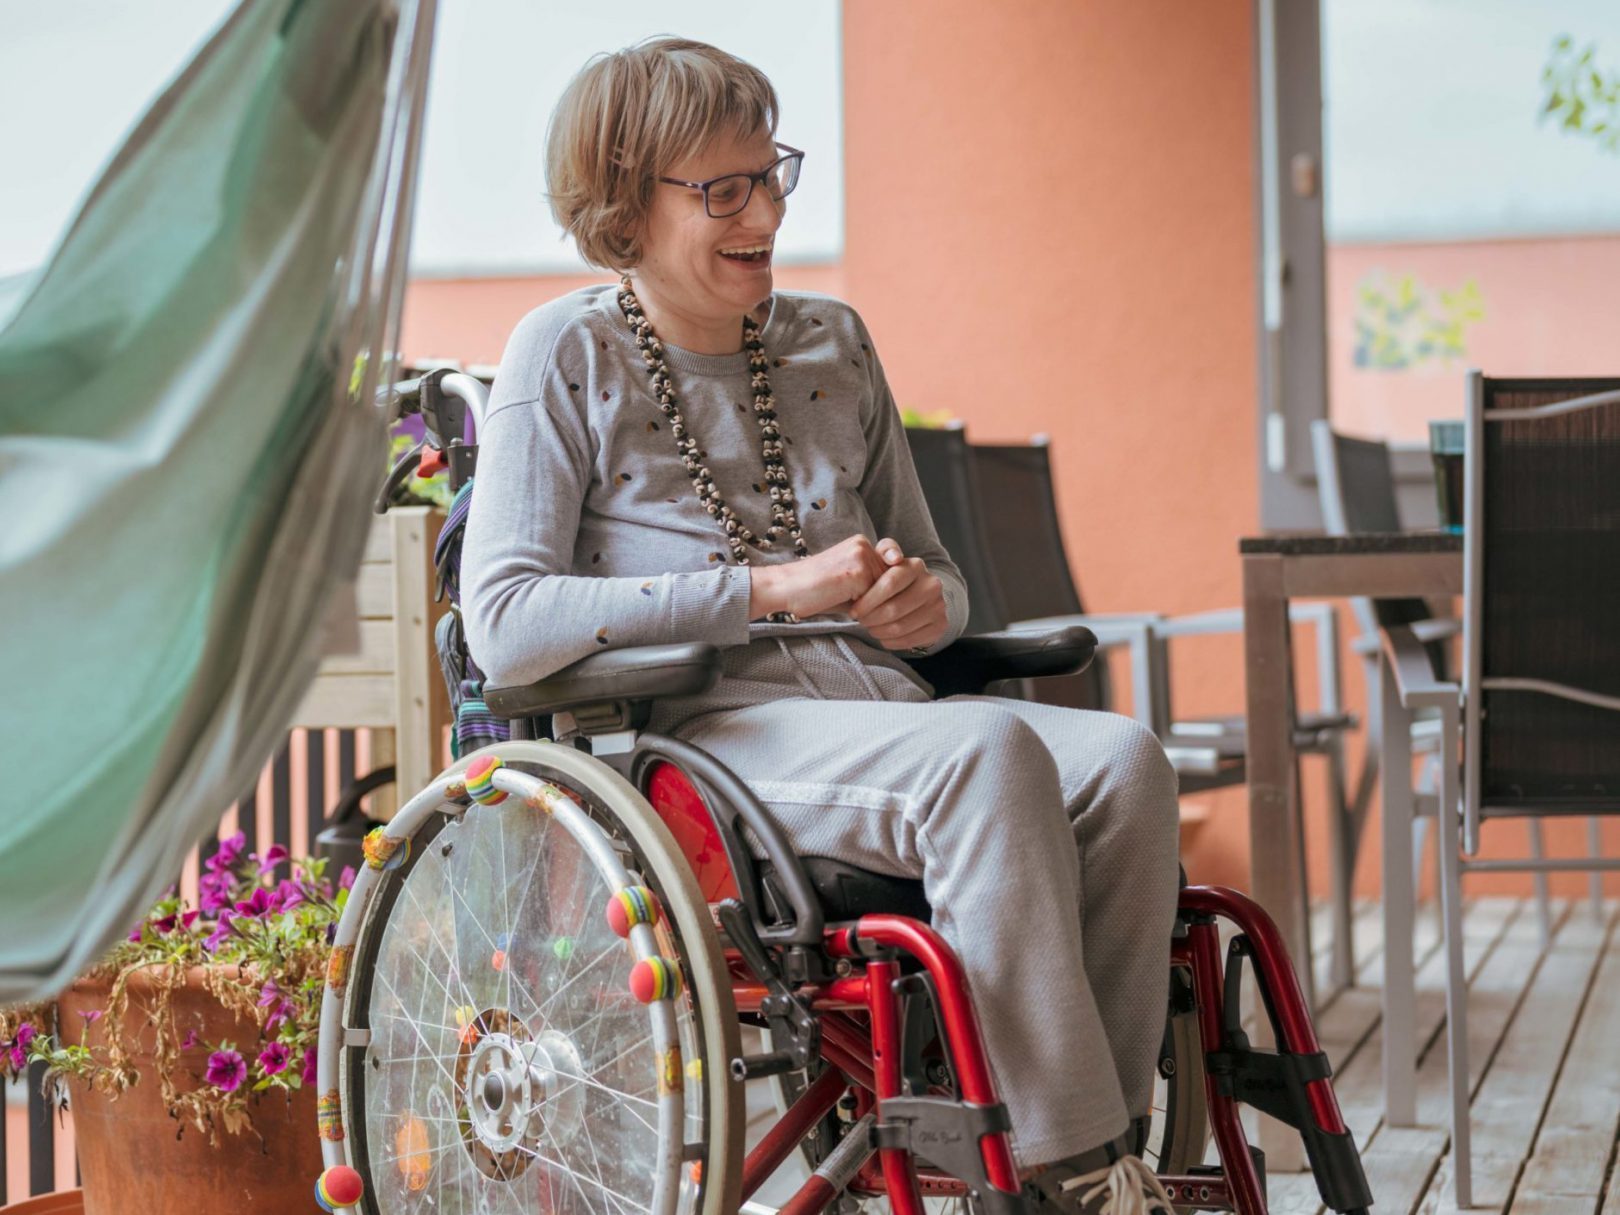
{"points": [[518, 1090]]}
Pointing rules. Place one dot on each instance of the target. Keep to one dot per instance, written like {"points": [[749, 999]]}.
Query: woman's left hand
{"points": [[905, 609]]}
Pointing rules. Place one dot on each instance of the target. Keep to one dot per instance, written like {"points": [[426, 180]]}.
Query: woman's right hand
{"points": [[818, 583]]}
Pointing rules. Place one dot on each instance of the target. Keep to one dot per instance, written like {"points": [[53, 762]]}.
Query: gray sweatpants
{"points": [[1018, 818]]}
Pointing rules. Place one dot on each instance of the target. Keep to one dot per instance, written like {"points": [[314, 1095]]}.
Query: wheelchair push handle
{"points": [[444, 398]]}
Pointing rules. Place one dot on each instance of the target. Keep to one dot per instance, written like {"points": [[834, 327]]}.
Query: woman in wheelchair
{"points": [[691, 456], [769, 791]]}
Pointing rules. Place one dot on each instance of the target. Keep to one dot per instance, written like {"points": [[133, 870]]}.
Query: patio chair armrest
{"points": [[1413, 673], [1110, 628], [1319, 614], [1230, 620], [1440, 628], [1134, 631]]}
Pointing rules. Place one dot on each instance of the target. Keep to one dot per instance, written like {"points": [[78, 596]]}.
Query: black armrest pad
{"points": [[646, 672], [970, 663]]}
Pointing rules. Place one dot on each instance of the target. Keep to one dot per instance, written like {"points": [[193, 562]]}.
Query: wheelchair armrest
{"points": [[634, 674], [970, 663]]}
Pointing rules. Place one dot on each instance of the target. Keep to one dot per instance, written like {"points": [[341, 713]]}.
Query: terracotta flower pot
{"points": [[63, 1202], [135, 1159]]}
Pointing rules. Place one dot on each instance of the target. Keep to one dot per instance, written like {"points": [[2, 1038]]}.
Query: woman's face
{"points": [[701, 266]]}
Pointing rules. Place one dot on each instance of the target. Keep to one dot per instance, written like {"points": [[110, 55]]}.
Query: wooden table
{"points": [[1275, 570]]}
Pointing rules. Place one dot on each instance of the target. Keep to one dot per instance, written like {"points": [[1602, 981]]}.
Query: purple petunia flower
{"points": [[273, 1059], [19, 1045], [272, 858], [169, 922], [289, 894], [92, 1015], [135, 933], [309, 1066], [230, 851], [346, 878], [222, 930], [257, 905], [214, 892], [226, 1070]]}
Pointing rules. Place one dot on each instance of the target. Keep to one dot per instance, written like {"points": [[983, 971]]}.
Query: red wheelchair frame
{"points": [[1292, 1083]]}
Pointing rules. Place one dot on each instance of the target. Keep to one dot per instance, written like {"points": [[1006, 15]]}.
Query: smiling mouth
{"points": [[751, 255]]}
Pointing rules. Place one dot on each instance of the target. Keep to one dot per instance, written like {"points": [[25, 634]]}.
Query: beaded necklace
{"points": [[784, 507]]}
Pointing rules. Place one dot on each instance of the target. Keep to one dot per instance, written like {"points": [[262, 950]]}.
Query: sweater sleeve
{"points": [[895, 502], [527, 615]]}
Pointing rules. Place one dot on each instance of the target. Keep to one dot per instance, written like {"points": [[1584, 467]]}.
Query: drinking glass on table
{"points": [[1446, 440]]}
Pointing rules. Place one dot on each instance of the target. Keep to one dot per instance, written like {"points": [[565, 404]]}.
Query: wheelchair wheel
{"points": [[1178, 1133], [490, 1044]]}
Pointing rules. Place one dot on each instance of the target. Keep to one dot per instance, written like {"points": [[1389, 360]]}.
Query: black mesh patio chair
{"points": [[1005, 504], [1536, 714]]}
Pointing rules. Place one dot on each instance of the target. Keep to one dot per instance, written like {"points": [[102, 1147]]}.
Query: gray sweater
{"points": [[585, 531]]}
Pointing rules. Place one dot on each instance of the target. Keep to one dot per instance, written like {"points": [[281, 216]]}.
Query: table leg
{"points": [[1275, 879], [1275, 828], [1394, 743]]}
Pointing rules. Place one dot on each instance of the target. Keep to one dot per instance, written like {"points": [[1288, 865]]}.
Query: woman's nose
{"points": [[764, 210]]}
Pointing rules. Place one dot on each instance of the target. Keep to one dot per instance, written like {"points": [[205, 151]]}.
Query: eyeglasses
{"points": [[726, 196]]}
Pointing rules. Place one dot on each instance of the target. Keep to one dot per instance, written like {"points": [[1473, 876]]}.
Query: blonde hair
{"points": [[625, 118]]}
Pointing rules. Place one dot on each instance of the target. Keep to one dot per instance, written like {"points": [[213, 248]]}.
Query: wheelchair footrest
{"points": [[1277, 1083], [947, 1133]]}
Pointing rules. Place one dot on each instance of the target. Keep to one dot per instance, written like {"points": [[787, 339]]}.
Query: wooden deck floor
{"points": [[1544, 1044]]}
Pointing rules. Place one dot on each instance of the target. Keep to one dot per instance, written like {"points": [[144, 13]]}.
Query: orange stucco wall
{"points": [[1050, 229]]}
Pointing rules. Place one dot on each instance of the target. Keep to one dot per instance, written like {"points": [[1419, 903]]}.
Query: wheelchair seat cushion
{"points": [[847, 893]]}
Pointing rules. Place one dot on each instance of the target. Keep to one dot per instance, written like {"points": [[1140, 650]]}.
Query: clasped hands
{"points": [[897, 599]]}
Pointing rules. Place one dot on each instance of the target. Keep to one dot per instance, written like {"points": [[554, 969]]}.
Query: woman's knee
{"points": [[997, 755], [1139, 789]]}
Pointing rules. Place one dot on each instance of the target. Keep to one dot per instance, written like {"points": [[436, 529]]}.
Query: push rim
{"points": [[494, 1049]]}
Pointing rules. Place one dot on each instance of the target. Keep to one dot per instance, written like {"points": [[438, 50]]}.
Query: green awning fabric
{"points": [[186, 454]]}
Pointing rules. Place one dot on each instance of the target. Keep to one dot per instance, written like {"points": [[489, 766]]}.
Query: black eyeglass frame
{"points": [[759, 178]]}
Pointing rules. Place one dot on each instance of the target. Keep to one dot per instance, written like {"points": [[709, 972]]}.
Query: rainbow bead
{"points": [[631, 906], [339, 1186], [481, 783], [655, 979]]}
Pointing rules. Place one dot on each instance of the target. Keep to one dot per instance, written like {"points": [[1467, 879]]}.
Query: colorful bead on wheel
{"points": [[631, 906], [655, 979], [383, 851], [338, 1187], [481, 781]]}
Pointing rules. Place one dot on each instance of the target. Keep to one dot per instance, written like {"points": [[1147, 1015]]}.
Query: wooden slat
{"points": [[1509, 1103], [375, 656], [1397, 1167], [374, 591], [421, 704], [1499, 971], [349, 701], [1572, 1153], [379, 541]]}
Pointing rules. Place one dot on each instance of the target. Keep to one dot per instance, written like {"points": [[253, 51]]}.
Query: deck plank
{"points": [[1568, 1165], [1518, 1082]]}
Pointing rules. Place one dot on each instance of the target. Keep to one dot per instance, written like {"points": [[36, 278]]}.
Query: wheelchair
{"points": [[540, 980]]}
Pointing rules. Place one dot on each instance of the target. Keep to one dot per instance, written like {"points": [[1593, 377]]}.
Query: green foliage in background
{"points": [[937, 419], [418, 491], [1581, 99], [1400, 323]]}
